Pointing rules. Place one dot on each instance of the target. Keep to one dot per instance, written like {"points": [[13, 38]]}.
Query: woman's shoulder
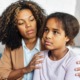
{"points": [[8, 51]]}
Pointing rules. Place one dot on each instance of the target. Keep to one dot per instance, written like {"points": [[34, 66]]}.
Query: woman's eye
{"points": [[20, 23], [32, 19]]}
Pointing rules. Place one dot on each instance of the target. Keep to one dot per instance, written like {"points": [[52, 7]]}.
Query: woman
{"points": [[20, 25]]}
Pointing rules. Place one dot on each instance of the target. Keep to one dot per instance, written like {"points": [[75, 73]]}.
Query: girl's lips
{"points": [[47, 42]]}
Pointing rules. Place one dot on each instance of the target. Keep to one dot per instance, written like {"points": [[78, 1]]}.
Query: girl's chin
{"points": [[49, 48]]}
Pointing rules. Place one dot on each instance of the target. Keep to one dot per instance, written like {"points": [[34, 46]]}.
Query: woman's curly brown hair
{"points": [[9, 34]]}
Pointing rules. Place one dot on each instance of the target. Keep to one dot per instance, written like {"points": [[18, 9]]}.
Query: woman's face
{"points": [[26, 24], [54, 36]]}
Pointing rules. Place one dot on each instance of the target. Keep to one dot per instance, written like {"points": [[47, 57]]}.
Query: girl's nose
{"points": [[49, 35]]}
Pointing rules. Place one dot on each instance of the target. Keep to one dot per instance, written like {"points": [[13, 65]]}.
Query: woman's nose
{"points": [[27, 24]]}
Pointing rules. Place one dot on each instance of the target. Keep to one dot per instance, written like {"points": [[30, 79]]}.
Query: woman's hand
{"points": [[15, 74], [34, 64], [77, 69]]}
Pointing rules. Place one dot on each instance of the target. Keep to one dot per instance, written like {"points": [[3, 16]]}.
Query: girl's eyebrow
{"points": [[53, 28]]}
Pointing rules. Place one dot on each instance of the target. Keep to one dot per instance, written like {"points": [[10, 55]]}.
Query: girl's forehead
{"points": [[54, 21]]}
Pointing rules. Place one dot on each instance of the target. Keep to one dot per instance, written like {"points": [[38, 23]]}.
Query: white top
{"points": [[62, 69], [28, 54]]}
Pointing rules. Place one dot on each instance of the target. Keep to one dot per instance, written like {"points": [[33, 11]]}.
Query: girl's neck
{"points": [[58, 54], [30, 43], [42, 47]]}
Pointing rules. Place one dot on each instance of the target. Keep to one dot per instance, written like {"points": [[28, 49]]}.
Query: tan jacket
{"points": [[9, 61]]}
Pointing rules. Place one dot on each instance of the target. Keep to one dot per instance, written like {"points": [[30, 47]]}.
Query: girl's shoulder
{"points": [[72, 58]]}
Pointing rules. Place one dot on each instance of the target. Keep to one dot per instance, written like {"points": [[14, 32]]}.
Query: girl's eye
{"points": [[55, 32], [45, 30]]}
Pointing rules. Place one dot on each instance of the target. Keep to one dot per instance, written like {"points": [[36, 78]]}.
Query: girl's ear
{"points": [[67, 39]]}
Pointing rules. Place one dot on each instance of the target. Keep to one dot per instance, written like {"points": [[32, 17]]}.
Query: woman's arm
{"points": [[6, 71], [77, 69], [5, 64], [15, 74], [32, 65], [70, 72]]}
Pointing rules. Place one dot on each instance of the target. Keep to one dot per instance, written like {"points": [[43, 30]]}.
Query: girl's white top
{"points": [[62, 69]]}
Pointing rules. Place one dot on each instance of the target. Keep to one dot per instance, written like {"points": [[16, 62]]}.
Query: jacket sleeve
{"points": [[5, 64]]}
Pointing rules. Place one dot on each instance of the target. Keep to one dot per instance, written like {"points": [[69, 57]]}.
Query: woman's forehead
{"points": [[26, 13]]}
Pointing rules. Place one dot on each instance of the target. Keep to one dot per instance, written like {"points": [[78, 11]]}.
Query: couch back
{"points": [[0, 55]]}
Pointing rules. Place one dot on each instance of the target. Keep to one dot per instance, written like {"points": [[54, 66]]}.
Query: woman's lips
{"points": [[30, 31]]}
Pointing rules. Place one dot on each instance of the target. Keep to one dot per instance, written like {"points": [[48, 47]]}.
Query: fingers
{"points": [[34, 65], [78, 62], [36, 60], [77, 74], [77, 69], [37, 56]]}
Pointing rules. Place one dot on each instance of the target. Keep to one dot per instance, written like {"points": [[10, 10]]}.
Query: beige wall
{"points": [[77, 14], [70, 6]]}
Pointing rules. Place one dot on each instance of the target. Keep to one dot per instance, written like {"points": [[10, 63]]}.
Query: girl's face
{"points": [[54, 36], [26, 23]]}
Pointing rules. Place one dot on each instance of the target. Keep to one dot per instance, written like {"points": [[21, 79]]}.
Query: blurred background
{"points": [[69, 6]]}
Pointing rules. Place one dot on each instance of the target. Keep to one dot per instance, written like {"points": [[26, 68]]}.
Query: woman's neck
{"points": [[58, 54], [30, 43]]}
